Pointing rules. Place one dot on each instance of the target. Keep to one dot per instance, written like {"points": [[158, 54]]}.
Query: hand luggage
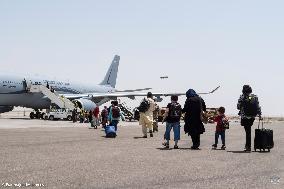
{"points": [[110, 131], [263, 138]]}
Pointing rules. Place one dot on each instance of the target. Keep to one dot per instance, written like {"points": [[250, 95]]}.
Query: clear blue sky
{"points": [[198, 44]]}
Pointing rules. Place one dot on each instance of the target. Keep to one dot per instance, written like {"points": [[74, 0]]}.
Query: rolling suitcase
{"points": [[263, 138], [110, 131]]}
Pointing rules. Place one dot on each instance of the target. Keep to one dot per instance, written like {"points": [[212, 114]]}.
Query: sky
{"points": [[198, 44]]}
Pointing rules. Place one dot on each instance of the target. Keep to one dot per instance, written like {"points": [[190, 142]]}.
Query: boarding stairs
{"points": [[54, 97], [128, 114]]}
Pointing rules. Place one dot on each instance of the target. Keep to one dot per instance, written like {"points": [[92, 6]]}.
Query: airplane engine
{"points": [[4, 109], [86, 104]]}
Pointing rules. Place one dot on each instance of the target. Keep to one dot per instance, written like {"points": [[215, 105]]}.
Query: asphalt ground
{"points": [[59, 154]]}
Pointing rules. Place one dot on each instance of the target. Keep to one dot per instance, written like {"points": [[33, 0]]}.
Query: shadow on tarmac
{"points": [[20, 118], [239, 152], [243, 152], [138, 137], [185, 148], [165, 149]]}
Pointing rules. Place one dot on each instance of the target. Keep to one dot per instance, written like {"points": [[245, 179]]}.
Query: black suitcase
{"points": [[263, 139]]}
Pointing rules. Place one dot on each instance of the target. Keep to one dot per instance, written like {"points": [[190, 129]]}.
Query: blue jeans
{"points": [[176, 128], [114, 123], [222, 134]]}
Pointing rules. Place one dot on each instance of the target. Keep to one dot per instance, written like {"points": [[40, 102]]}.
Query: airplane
{"points": [[164, 77], [13, 91]]}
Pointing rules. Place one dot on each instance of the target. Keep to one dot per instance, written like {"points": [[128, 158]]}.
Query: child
{"points": [[172, 117], [222, 124]]}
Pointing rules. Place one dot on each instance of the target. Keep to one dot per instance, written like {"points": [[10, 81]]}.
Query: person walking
{"points": [[104, 116], [249, 108], [193, 108], [156, 117], [221, 126], [146, 109], [115, 115], [172, 117], [96, 117]]}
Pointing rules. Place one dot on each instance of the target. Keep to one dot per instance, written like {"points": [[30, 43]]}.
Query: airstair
{"points": [[54, 97], [126, 111]]}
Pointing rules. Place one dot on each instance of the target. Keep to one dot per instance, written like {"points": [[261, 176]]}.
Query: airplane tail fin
{"points": [[111, 75]]}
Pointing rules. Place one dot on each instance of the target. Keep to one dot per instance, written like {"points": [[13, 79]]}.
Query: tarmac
{"points": [[60, 154]]}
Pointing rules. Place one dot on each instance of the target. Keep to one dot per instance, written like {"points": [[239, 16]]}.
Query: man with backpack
{"points": [[115, 115], [146, 108], [172, 117], [248, 105]]}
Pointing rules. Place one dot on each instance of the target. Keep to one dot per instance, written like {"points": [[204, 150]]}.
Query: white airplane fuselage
{"points": [[13, 92]]}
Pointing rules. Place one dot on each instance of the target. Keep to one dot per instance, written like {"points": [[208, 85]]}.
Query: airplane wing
{"points": [[134, 90], [130, 95]]}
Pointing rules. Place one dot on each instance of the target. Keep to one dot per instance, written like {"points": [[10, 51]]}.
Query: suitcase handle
{"points": [[260, 120]]}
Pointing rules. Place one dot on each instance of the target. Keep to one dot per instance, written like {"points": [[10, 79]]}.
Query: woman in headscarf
{"points": [[193, 108]]}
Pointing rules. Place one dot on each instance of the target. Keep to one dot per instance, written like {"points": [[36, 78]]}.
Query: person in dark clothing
{"points": [[25, 85], [249, 108], [104, 116], [194, 105], [74, 115]]}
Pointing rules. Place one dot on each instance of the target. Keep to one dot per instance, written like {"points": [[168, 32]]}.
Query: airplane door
{"points": [[25, 85]]}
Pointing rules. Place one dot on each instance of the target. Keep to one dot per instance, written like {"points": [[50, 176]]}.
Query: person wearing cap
{"points": [[146, 118], [248, 106]]}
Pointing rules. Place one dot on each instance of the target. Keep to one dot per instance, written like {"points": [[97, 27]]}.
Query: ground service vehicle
{"points": [[57, 114]]}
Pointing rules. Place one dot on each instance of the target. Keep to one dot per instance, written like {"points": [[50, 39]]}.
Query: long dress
{"points": [[192, 109]]}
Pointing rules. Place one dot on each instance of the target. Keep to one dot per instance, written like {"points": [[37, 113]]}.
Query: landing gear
{"points": [[37, 115], [32, 115]]}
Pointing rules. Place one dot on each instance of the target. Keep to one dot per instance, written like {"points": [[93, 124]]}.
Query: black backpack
{"points": [[250, 105], [144, 106], [175, 111]]}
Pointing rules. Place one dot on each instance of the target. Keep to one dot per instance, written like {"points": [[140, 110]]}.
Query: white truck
{"points": [[57, 114]]}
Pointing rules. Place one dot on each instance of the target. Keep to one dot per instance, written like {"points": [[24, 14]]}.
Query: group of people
{"points": [[108, 116], [194, 111]]}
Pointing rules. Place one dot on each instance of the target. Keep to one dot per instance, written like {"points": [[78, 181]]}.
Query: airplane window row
{"points": [[11, 82], [53, 82]]}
